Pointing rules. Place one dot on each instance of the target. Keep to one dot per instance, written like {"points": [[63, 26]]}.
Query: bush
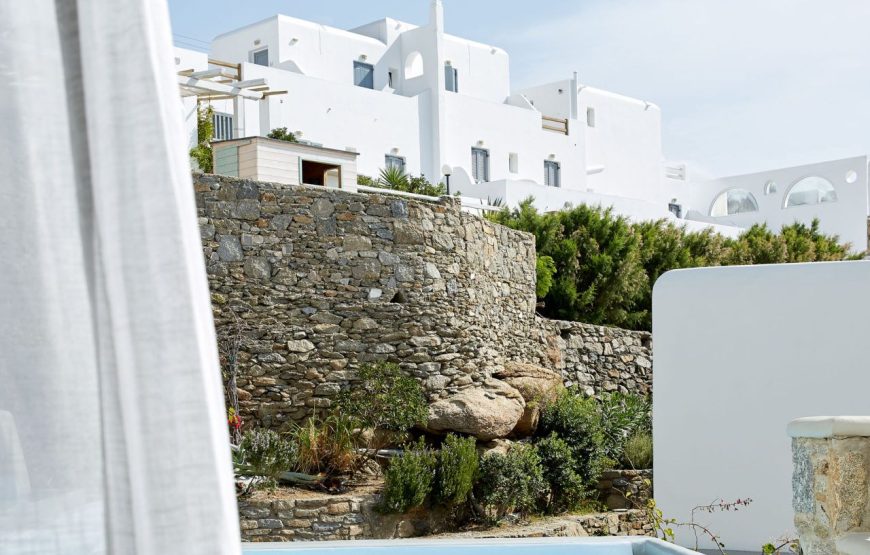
{"points": [[282, 134], [264, 453], [638, 452], [577, 421], [396, 179], [202, 152], [385, 399], [326, 445], [606, 266], [511, 483], [545, 268], [567, 488], [622, 416], [408, 480], [457, 469]]}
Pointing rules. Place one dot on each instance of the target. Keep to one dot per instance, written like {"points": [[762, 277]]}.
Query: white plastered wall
{"points": [[738, 353]]}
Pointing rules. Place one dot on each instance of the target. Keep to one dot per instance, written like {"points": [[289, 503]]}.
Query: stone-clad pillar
{"points": [[830, 484]]}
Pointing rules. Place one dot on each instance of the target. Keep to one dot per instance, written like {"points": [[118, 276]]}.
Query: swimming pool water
{"points": [[543, 546]]}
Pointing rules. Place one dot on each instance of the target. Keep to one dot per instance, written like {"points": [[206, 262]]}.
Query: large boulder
{"points": [[537, 385], [486, 412]]}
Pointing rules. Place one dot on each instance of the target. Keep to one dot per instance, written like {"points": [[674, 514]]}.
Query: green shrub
{"points": [[577, 421], [638, 452], [264, 453], [457, 469], [545, 268], [326, 445], [408, 480], [282, 134], [365, 180], [202, 152], [623, 415], [386, 399], [567, 488], [396, 179], [606, 266], [511, 483]]}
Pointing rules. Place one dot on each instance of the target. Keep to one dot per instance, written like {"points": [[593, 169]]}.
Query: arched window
{"points": [[810, 190], [733, 201], [413, 65]]}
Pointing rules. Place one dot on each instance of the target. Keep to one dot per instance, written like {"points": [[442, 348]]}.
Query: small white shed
{"points": [[277, 161]]}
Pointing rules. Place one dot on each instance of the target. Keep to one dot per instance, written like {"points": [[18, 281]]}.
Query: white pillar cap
{"points": [[830, 426]]}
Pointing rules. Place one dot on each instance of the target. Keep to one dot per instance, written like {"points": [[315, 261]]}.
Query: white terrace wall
{"points": [[847, 217], [740, 352]]}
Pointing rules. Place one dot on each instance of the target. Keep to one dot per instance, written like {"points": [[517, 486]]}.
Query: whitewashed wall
{"points": [[626, 142], [343, 116], [739, 352], [504, 129], [847, 217]]}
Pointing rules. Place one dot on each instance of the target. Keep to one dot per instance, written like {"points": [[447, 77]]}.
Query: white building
{"points": [[435, 104]]}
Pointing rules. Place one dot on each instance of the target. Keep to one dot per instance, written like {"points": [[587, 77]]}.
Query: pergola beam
{"points": [[208, 87]]}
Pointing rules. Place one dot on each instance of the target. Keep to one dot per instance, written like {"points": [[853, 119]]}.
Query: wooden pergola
{"points": [[223, 81]]}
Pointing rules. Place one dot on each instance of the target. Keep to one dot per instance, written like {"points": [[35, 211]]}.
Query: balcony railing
{"points": [[557, 125]]}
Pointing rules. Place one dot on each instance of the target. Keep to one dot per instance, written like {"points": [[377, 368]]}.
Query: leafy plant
{"points": [[665, 526], [326, 445], [395, 178], [408, 480], [782, 545], [365, 180], [513, 482], [457, 469], [202, 152], [567, 488], [623, 415], [576, 420], [282, 134], [606, 266], [264, 453], [385, 398], [545, 268], [638, 451]]}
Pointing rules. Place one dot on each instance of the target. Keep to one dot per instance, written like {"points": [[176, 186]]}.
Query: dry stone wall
{"points": [[321, 281]]}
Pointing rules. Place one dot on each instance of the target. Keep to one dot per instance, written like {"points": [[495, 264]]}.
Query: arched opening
{"points": [[733, 201], [810, 190], [413, 65]]}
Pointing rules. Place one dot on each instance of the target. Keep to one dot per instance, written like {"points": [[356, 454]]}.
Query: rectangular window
{"points": [[451, 78], [480, 164], [223, 126], [261, 57], [552, 171], [590, 117], [364, 75], [392, 161], [513, 162]]}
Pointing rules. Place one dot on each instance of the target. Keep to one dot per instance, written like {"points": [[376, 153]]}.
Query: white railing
{"points": [[465, 202]]}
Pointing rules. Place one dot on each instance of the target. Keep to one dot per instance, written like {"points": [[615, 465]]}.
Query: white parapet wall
{"points": [[739, 353]]}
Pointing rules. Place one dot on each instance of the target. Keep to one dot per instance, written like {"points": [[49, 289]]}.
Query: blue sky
{"points": [[744, 85]]}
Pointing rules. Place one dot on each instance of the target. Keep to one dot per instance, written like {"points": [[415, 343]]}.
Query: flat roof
{"points": [[288, 143]]}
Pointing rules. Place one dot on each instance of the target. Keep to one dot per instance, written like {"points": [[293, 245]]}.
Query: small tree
{"points": [[204, 134], [408, 480], [385, 399], [281, 134], [457, 469]]}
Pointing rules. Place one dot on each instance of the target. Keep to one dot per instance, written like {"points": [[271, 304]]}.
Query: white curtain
{"points": [[113, 434]]}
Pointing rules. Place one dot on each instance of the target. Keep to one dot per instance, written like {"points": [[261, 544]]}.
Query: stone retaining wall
{"points": [[323, 280], [625, 489], [287, 515]]}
